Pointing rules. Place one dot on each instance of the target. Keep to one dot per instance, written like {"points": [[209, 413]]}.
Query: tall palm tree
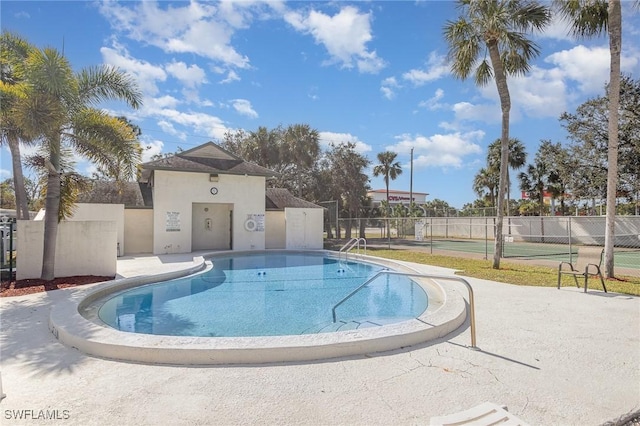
{"points": [[58, 107], [517, 160], [389, 168], [496, 27], [587, 19], [13, 53]]}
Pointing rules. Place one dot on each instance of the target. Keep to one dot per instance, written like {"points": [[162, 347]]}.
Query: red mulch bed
{"points": [[22, 287]]}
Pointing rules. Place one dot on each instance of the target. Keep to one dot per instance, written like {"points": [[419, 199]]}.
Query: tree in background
{"points": [[58, 107], [589, 18], [390, 169], [293, 152], [535, 182], [348, 178], [302, 147], [496, 27], [485, 179], [558, 162], [517, 160], [13, 54], [588, 131]]}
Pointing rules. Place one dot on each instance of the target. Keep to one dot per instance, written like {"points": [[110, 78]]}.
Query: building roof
{"points": [[207, 158], [131, 194], [279, 199], [384, 191]]}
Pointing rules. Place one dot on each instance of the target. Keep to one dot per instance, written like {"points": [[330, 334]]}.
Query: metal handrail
{"points": [[472, 310], [351, 244]]}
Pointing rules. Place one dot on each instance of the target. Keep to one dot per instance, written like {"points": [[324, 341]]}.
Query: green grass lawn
{"points": [[509, 272]]}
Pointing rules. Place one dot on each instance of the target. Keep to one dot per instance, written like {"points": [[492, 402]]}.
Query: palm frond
{"points": [[108, 142], [98, 84], [484, 73], [49, 72], [587, 18]]}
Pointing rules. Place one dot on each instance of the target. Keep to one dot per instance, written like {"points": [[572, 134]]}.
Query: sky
{"points": [[373, 73]]}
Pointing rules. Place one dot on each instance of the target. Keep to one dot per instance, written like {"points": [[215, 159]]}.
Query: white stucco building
{"points": [[396, 197], [205, 198]]}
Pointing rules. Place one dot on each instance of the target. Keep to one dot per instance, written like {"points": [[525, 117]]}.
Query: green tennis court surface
{"points": [[524, 250]]}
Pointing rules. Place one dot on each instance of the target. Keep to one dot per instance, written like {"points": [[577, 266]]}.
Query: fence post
{"points": [[486, 238], [431, 235], [570, 242], [11, 224]]}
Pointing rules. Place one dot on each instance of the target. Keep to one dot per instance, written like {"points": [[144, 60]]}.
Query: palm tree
{"points": [[13, 53], [486, 178], [390, 169], [517, 160], [587, 19], [496, 27], [58, 108], [301, 143]]}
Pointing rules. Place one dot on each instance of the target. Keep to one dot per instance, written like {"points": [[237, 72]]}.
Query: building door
{"points": [[210, 226]]}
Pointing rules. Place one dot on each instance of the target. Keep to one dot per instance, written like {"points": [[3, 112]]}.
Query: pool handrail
{"points": [[472, 311], [353, 242]]}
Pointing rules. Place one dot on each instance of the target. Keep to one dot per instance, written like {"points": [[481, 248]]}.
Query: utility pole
{"points": [[411, 186]]}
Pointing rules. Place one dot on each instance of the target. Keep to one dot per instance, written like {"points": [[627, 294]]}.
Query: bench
{"points": [[587, 265], [485, 414]]}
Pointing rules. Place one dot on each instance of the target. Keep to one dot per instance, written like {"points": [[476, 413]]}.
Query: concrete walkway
{"points": [[554, 357]]}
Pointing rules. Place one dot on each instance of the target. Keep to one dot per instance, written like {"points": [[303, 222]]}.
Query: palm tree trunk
{"points": [[615, 45], [505, 104], [52, 208], [22, 208]]}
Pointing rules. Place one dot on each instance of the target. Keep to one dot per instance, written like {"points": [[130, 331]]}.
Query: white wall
{"points": [[102, 212], [82, 248], [138, 231], [304, 228], [275, 232], [175, 192]]}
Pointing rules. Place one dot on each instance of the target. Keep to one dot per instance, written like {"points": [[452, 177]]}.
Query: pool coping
{"points": [[71, 328]]}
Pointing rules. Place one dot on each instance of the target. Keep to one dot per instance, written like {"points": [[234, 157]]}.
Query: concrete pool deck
{"points": [[552, 356]]}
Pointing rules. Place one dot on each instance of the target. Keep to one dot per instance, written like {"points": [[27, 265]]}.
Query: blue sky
{"points": [[368, 72]]}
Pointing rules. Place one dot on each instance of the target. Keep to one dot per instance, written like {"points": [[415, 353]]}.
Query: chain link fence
{"points": [[541, 238], [7, 248]]}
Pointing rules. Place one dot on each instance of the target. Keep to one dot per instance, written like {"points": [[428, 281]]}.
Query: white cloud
{"points": [[5, 174], [151, 148], [168, 128], [433, 103], [436, 68], [388, 87], [244, 107], [205, 124], [345, 36], [327, 138], [439, 150], [202, 29], [488, 113], [558, 29], [190, 76], [589, 66], [231, 77], [145, 74]]}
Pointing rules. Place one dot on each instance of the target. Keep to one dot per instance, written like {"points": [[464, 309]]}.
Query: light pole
{"points": [[411, 185]]}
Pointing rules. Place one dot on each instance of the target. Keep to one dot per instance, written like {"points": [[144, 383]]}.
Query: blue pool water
{"points": [[269, 294]]}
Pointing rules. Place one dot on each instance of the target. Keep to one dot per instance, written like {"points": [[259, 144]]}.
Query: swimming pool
{"points": [[270, 294], [76, 320]]}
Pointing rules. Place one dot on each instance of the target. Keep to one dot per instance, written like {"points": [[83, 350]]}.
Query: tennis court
{"points": [[624, 258]]}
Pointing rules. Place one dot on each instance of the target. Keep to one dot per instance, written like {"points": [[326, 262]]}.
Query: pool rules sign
{"points": [[173, 221]]}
